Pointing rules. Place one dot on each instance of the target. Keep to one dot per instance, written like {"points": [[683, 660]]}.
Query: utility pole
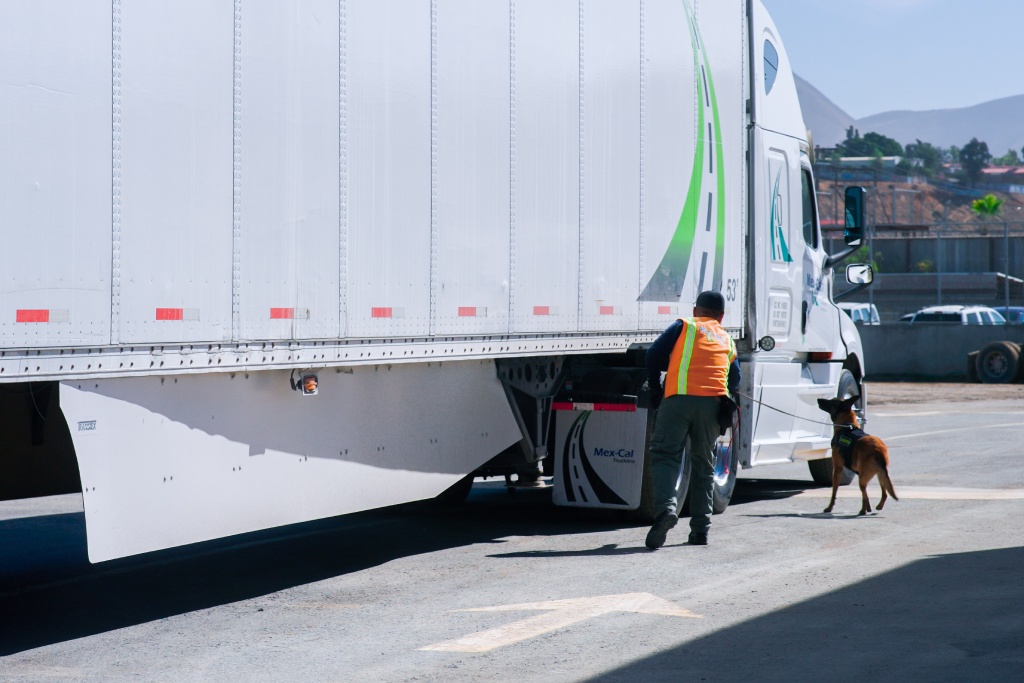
{"points": [[1006, 266], [938, 249], [871, 241]]}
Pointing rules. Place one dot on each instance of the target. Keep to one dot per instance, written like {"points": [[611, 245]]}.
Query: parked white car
{"points": [[862, 314], [964, 315]]}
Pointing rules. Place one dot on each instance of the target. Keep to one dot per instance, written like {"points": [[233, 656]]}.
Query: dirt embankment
{"points": [[888, 393], [920, 204]]}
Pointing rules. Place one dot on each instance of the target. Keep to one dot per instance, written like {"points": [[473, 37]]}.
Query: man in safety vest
{"points": [[700, 358]]}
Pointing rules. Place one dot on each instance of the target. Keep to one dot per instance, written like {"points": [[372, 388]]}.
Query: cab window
{"points": [[810, 217], [771, 66]]}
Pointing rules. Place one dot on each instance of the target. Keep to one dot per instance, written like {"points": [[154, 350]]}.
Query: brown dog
{"points": [[866, 455]]}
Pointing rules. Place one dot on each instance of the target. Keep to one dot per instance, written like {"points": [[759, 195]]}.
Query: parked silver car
{"points": [[862, 314], [963, 315]]}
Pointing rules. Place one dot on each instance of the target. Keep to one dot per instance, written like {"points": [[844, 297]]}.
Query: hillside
{"points": [[826, 121], [997, 123]]}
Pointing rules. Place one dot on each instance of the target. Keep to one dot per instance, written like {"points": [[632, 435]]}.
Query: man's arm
{"points": [[733, 383], [659, 354]]}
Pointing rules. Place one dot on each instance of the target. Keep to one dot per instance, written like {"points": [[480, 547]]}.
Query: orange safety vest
{"points": [[700, 360]]}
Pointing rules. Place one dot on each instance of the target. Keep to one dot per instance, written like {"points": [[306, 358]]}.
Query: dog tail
{"points": [[884, 480]]}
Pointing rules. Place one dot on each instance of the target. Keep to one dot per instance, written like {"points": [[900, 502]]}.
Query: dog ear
{"points": [[847, 403], [823, 403]]}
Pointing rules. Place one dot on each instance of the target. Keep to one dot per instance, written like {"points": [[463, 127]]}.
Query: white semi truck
{"points": [[271, 261]]}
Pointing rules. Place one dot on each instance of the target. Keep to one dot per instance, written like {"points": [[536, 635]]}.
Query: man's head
{"points": [[710, 304]]}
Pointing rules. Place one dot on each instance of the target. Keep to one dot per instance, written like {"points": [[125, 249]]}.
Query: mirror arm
{"points": [[831, 261], [850, 292]]}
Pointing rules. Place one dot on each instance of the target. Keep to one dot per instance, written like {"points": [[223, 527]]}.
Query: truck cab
{"points": [[802, 347]]}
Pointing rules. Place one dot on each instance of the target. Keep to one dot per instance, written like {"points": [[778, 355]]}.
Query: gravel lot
{"points": [[889, 393]]}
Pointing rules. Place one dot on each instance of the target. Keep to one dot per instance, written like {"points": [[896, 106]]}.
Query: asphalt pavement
{"points": [[510, 588]]}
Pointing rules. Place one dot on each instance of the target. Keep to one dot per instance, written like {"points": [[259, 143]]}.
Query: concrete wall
{"points": [[927, 350]]}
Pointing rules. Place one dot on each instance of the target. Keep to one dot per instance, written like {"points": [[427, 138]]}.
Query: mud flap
{"points": [[599, 455]]}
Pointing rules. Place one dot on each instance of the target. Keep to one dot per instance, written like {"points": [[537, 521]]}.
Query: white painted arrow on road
{"points": [[558, 614]]}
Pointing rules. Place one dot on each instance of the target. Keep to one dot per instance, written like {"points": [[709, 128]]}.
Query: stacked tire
{"points": [[997, 362]]}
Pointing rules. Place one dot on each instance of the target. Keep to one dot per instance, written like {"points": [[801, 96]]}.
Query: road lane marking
{"points": [[949, 412], [558, 614], [925, 493], [930, 412], [948, 431]]}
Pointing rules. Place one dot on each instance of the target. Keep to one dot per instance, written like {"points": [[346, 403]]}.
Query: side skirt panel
{"points": [[177, 460]]}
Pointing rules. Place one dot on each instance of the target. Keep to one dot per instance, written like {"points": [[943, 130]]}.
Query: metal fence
{"points": [[945, 264], [928, 247]]}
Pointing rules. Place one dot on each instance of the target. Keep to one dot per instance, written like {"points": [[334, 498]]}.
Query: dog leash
{"points": [[827, 424]]}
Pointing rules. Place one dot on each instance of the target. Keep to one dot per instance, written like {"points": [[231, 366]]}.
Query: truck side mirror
{"points": [[853, 232], [860, 274]]}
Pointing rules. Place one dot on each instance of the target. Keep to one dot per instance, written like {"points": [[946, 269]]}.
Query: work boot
{"points": [[697, 538], [656, 536]]}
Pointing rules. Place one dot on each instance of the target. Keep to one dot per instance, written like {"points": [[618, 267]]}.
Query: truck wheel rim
{"points": [[723, 459], [996, 363]]}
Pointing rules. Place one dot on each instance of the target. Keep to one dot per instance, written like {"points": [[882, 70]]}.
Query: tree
{"points": [[857, 147], [863, 255], [928, 156], [1008, 159], [987, 205], [887, 147], [974, 158], [871, 145]]}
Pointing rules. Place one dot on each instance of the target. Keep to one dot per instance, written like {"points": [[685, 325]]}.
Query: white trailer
{"points": [[451, 213]]}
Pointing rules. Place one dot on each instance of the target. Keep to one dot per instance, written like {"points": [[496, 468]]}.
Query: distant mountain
{"points": [[999, 123], [826, 121]]}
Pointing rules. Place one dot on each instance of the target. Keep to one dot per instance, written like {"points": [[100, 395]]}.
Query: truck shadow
{"points": [[943, 618], [753, 490], [49, 593]]}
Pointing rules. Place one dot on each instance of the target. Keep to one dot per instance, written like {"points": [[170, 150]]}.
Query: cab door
{"points": [[778, 259], [817, 313], [778, 252]]}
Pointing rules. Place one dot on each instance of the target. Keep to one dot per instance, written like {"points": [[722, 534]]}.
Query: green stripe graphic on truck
{"points": [[668, 279], [780, 251], [716, 283]]}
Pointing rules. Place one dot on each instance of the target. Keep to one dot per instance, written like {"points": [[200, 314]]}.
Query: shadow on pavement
{"points": [[752, 490], [49, 593], [946, 618], [604, 551]]}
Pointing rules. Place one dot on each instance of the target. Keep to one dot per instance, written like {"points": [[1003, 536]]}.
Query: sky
{"points": [[871, 56]]}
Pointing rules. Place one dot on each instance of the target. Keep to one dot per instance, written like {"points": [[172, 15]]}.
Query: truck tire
{"points": [[998, 362], [645, 511], [726, 465], [821, 469]]}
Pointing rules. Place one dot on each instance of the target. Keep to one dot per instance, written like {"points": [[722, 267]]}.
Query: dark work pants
{"points": [[679, 417]]}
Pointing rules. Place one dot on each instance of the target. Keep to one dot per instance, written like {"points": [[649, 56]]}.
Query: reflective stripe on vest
{"points": [[709, 353], [686, 356]]}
